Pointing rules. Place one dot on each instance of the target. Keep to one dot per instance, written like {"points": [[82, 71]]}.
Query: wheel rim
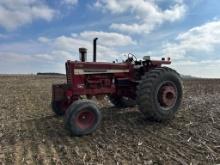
{"points": [[85, 119], [167, 95]]}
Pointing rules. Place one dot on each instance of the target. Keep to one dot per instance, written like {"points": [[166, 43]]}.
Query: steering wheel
{"points": [[132, 56]]}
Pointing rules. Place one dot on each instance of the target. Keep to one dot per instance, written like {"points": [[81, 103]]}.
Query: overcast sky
{"points": [[40, 35]]}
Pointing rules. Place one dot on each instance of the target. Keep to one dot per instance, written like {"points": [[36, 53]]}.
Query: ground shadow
{"points": [[52, 127]]}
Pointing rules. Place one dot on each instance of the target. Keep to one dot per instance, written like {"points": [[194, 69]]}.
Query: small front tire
{"points": [[82, 117]]}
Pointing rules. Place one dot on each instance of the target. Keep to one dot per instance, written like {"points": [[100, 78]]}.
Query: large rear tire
{"points": [[159, 93], [82, 117]]}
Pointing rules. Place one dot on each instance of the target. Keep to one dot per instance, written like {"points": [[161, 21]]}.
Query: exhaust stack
{"points": [[94, 49]]}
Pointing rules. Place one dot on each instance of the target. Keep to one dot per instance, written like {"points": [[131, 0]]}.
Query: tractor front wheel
{"points": [[82, 117], [159, 93]]}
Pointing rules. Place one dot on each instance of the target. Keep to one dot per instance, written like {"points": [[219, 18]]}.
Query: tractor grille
{"points": [[68, 75], [69, 78]]}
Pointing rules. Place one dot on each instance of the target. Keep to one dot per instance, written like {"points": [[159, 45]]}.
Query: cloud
{"points": [[147, 14], [43, 39], [203, 68], [72, 44], [70, 2], [25, 63], [3, 36], [51, 52], [204, 38], [14, 58], [15, 13], [108, 39], [195, 51], [106, 48]]}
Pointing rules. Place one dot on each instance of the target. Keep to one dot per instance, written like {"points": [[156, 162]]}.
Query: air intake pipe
{"points": [[94, 49], [83, 54]]}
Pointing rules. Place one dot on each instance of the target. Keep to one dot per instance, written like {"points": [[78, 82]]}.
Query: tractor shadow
{"points": [[130, 117], [51, 128]]}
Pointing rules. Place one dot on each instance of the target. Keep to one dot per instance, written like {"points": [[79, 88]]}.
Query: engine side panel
{"points": [[88, 78]]}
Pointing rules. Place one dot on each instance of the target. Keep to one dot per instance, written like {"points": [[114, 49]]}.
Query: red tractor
{"points": [[156, 90]]}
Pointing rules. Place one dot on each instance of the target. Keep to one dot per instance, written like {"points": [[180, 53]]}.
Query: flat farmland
{"points": [[30, 133]]}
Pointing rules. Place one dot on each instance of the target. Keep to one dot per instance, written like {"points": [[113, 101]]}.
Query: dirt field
{"points": [[31, 134]]}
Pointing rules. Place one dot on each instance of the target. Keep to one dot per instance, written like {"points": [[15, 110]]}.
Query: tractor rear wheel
{"points": [[159, 93], [82, 117], [58, 108], [121, 102]]}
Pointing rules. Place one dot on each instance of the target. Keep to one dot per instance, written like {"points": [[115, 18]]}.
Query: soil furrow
{"points": [[30, 133]]}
